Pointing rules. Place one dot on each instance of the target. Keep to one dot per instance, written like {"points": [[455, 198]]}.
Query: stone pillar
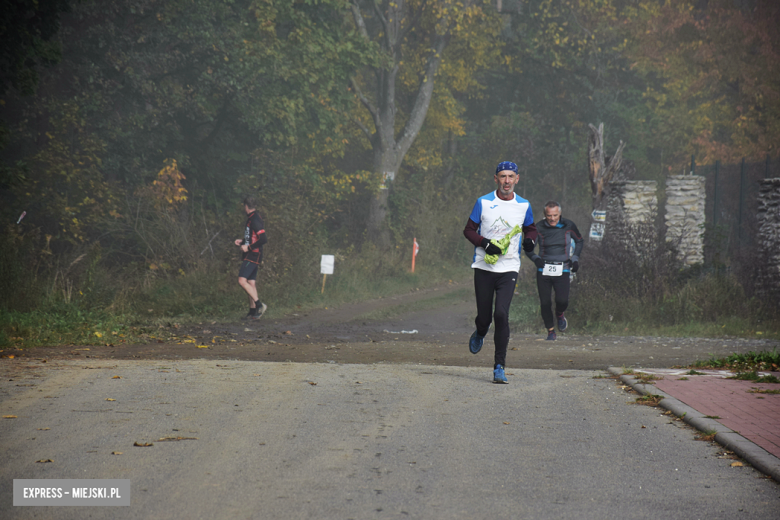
{"points": [[768, 274], [631, 212], [685, 198], [635, 201]]}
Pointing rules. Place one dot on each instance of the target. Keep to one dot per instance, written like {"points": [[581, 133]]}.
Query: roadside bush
{"points": [[625, 289]]}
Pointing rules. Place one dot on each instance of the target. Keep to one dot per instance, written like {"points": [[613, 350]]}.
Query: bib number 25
{"points": [[553, 269]]}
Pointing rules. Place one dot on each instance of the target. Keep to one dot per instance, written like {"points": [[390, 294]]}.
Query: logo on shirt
{"points": [[499, 228], [494, 207]]}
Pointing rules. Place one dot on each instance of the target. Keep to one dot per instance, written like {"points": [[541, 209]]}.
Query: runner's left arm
{"points": [[256, 233], [579, 243], [529, 231]]}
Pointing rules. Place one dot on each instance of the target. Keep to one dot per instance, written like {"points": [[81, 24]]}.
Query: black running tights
{"points": [[545, 285], [501, 286]]}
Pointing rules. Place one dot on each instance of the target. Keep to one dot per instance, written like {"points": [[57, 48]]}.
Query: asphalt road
{"points": [[330, 440]]}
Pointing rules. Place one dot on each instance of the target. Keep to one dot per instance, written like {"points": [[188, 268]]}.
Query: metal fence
{"points": [[731, 227]]}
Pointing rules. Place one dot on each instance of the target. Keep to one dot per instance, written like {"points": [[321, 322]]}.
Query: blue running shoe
{"points": [[551, 336], [498, 375], [475, 342], [562, 323]]}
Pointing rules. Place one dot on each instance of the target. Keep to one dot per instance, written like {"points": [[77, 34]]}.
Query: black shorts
{"points": [[249, 268]]}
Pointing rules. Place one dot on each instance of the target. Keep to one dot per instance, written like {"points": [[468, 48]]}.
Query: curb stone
{"points": [[759, 458]]}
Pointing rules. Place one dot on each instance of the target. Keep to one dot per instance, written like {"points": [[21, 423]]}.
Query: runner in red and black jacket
{"points": [[560, 246], [252, 247]]}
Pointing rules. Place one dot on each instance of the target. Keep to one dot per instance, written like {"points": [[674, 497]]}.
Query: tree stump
{"points": [[601, 169]]}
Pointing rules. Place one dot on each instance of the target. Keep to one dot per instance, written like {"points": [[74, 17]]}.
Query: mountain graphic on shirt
{"points": [[499, 227]]}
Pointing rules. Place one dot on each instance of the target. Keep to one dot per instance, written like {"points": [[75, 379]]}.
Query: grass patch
{"points": [[707, 435], [764, 391], [747, 362], [643, 377], [753, 376], [649, 400], [694, 373], [68, 325]]}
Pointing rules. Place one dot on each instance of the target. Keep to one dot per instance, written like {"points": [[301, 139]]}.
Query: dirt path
{"points": [[428, 326]]}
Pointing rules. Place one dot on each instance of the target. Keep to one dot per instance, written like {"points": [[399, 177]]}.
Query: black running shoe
{"points": [[259, 312]]}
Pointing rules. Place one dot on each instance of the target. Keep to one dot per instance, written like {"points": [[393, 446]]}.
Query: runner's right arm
{"points": [[470, 232]]}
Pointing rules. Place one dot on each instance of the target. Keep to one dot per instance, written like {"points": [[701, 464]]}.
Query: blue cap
{"points": [[506, 165]]}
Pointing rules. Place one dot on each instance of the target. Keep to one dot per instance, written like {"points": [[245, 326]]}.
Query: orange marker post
{"points": [[415, 250]]}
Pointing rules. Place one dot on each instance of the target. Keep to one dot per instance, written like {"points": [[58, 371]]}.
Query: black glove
{"points": [[539, 262], [528, 245], [490, 248], [575, 266]]}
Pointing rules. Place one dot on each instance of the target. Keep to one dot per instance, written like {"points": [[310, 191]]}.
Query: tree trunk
{"points": [[390, 149], [601, 169]]}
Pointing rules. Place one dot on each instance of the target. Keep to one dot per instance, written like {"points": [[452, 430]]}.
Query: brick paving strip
{"points": [[747, 423]]}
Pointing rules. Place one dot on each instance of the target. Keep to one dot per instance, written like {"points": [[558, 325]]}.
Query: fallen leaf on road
{"points": [[82, 348], [9, 417], [44, 460], [163, 439], [142, 444], [43, 429], [643, 426], [10, 356], [506, 422], [312, 383], [289, 332], [203, 346], [117, 377], [736, 464], [116, 453], [109, 399]]}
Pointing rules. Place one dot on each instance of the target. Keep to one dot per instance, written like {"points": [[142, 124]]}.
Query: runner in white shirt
{"points": [[493, 217]]}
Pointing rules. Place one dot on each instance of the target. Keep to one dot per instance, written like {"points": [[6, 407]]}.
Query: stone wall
{"points": [[768, 274], [685, 199]]}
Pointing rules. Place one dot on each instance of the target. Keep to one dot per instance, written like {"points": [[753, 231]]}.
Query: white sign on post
{"points": [[596, 231], [326, 264], [599, 216]]}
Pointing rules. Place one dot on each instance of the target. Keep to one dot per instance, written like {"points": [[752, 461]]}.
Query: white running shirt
{"points": [[496, 218]]}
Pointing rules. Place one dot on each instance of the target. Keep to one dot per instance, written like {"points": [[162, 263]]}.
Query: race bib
{"points": [[552, 269]]}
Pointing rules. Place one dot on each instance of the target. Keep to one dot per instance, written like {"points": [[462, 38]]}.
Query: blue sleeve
{"points": [[476, 213], [529, 217]]}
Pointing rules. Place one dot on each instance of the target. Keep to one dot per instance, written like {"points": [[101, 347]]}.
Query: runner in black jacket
{"points": [[252, 246], [556, 259]]}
